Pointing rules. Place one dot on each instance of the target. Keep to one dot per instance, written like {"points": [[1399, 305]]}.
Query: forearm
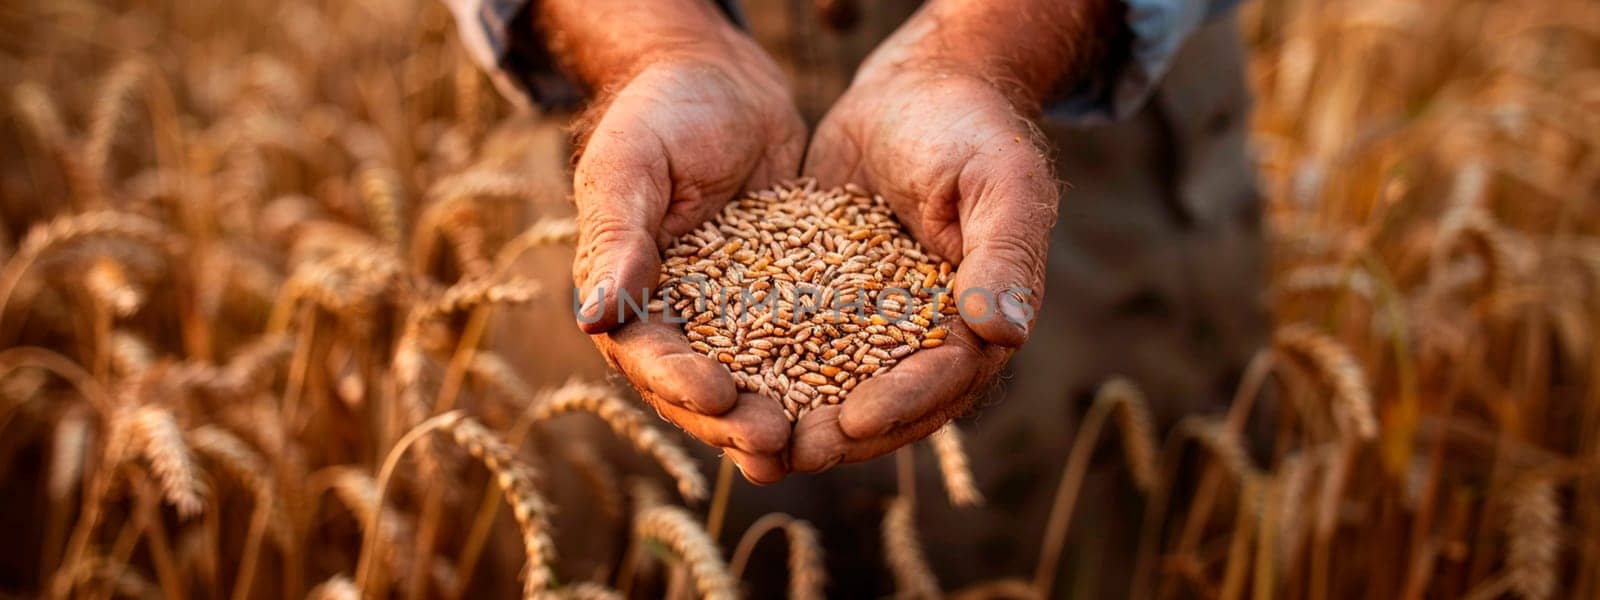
{"points": [[601, 42], [1031, 48]]}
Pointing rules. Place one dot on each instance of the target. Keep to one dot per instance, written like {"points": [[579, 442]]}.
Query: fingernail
{"points": [[1016, 310], [591, 305]]}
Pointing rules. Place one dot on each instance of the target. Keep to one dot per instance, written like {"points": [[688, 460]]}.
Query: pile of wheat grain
{"points": [[803, 293]]}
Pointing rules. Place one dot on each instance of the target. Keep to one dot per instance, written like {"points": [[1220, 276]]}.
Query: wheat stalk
{"points": [[902, 548], [954, 466], [676, 529]]}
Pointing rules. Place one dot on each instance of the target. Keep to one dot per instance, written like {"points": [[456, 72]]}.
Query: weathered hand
{"points": [[703, 118], [960, 166]]}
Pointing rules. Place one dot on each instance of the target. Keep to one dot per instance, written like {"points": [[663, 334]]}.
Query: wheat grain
{"points": [[902, 548], [628, 423], [779, 286], [954, 467], [674, 528], [1339, 369]]}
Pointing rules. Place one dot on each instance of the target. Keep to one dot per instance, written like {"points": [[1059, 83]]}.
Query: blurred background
{"points": [[248, 246]]}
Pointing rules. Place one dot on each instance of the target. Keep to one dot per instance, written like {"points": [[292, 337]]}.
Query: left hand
{"points": [[961, 167]]}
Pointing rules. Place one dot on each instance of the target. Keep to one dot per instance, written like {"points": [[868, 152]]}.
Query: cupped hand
{"points": [[668, 147], [960, 166]]}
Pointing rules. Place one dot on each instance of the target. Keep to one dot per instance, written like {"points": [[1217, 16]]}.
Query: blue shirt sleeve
{"points": [[498, 35], [1158, 29]]}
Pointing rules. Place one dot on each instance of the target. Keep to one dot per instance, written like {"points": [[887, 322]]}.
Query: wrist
{"points": [[1027, 49], [604, 43]]}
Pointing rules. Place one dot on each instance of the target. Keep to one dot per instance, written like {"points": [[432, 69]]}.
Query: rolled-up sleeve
{"points": [[1157, 30], [499, 36]]}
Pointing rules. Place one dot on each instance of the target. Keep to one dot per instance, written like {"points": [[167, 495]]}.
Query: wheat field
{"points": [[254, 254]]}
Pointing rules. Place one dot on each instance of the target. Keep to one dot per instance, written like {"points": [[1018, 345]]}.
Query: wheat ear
{"points": [[41, 239], [518, 480], [954, 466], [807, 573], [544, 232], [107, 282], [1120, 397], [338, 587], [108, 112], [156, 433], [383, 195], [623, 419], [1224, 445], [37, 111], [361, 496], [1533, 532], [588, 590], [902, 548], [241, 462], [676, 529], [1339, 369]]}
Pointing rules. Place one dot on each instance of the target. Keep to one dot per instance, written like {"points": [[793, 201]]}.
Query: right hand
{"points": [[676, 140]]}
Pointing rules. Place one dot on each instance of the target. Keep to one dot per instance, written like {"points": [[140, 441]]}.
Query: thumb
{"points": [[1006, 222], [621, 189]]}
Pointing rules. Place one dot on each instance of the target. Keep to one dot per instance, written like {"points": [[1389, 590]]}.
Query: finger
{"points": [[833, 156], [755, 425], [819, 443], [932, 380], [656, 357], [760, 469], [781, 161], [621, 188], [1008, 207]]}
